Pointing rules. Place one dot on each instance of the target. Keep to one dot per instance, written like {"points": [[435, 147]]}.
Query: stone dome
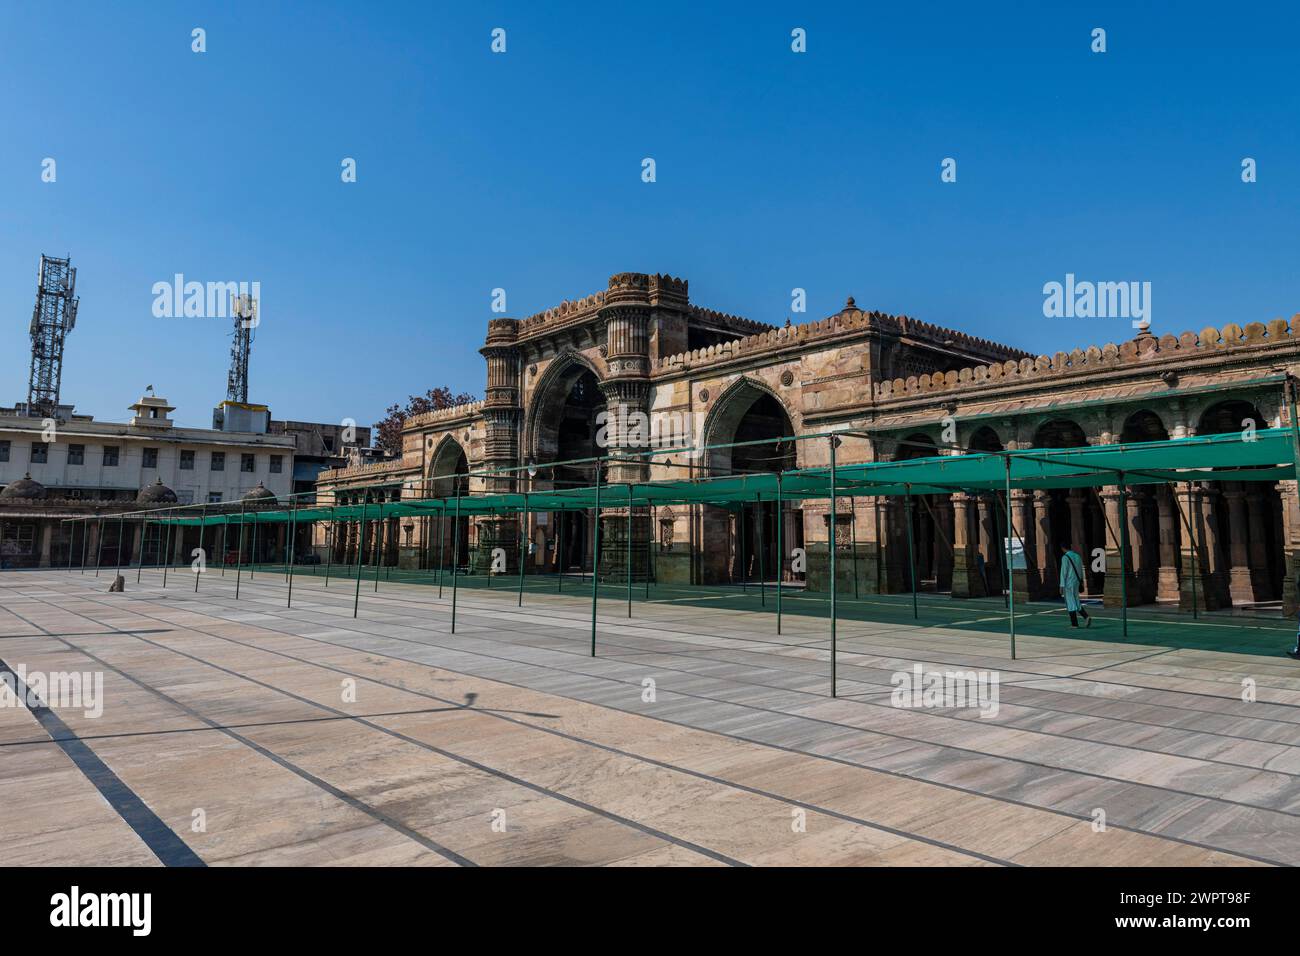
{"points": [[259, 495], [156, 494], [24, 487]]}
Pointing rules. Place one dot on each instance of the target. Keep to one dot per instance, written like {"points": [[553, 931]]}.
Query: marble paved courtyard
{"points": [[248, 733]]}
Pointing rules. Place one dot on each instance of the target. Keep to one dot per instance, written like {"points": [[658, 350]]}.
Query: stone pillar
{"points": [[1290, 501], [1043, 556], [501, 412], [1216, 574], [1167, 586], [966, 580], [1113, 592], [1027, 582], [1137, 547], [1240, 586]]}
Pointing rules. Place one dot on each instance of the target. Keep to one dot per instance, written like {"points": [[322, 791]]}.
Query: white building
{"points": [[52, 469]]}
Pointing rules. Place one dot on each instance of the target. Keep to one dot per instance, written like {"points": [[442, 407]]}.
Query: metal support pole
{"points": [[167, 556], [780, 551], [740, 548], [1011, 596], [331, 538], [559, 550], [455, 559], [203, 522], [239, 554], [628, 550], [758, 546], [293, 548], [832, 548], [381, 531], [71, 535], [1123, 554], [361, 540], [649, 549], [595, 561], [252, 558], [911, 559], [442, 541], [99, 547], [225, 526], [853, 543], [85, 539], [522, 523], [118, 572]]}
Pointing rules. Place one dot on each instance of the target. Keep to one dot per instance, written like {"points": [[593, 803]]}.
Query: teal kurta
{"points": [[1071, 579]]}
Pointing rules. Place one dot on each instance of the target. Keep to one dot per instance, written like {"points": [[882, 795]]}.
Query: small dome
{"points": [[24, 487], [156, 494], [260, 494]]}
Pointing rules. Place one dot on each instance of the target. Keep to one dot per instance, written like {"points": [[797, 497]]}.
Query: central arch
{"points": [[739, 543], [560, 442], [447, 475]]}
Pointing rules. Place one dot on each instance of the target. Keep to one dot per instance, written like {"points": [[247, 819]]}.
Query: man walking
{"points": [[1071, 581]]}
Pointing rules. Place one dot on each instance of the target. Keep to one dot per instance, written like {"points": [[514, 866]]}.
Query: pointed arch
{"points": [[541, 423], [724, 420], [449, 459]]}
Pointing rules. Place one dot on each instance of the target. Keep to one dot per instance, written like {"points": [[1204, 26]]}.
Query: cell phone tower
{"points": [[52, 319], [244, 308]]}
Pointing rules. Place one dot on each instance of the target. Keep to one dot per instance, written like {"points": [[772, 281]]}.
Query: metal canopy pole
{"points": [[203, 519], [166, 557], [331, 538], [252, 558], [832, 547], [649, 549], [1011, 596], [740, 548], [118, 572], [99, 547], [1123, 554], [853, 544], [293, 548], [628, 550], [595, 560], [758, 546], [361, 540], [911, 559], [455, 560], [381, 532], [144, 539], [780, 551], [85, 538], [559, 550], [442, 540], [225, 525], [521, 550], [71, 537], [239, 555]]}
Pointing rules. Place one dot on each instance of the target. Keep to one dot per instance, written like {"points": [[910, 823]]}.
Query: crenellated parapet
{"points": [[1142, 352], [849, 322], [443, 416]]}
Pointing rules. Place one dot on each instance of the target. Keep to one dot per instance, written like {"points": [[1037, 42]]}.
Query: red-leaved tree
{"points": [[388, 431]]}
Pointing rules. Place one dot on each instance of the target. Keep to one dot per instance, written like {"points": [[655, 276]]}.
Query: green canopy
{"points": [[1263, 455]]}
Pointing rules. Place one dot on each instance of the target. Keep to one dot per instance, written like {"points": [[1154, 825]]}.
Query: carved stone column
{"points": [[1027, 582], [1216, 573], [1240, 587], [1043, 557], [501, 412], [1137, 546], [1077, 500], [626, 315], [1116, 567], [1290, 500], [966, 579], [1167, 588]]}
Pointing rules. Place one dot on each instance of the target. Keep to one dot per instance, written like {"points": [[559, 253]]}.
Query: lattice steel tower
{"points": [[53, 318], [244, 308]]}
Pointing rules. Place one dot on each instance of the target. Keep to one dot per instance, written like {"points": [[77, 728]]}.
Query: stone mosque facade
{"points": [[640, 349]]}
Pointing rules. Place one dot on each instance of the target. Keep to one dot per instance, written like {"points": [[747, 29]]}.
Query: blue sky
{"points": [[775, 170]]}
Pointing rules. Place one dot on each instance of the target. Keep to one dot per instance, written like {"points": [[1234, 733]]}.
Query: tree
{"points": [[388, 431]]}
